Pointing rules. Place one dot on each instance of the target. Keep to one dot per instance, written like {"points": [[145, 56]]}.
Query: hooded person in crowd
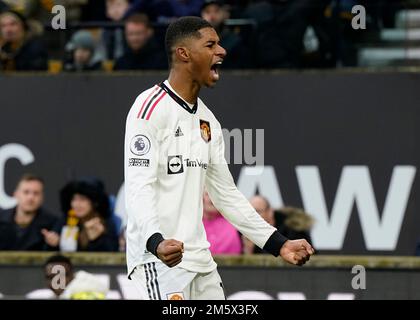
{"points": [[87, 210], [81, 50]]}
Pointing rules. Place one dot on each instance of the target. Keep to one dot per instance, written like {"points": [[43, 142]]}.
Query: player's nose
{"points": [[221, 52]]}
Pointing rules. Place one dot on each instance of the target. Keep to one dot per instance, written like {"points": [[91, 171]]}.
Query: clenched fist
{"points": [[296, 252], [170, 252]]}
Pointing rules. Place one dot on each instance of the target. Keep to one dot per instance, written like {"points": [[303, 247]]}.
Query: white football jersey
{"points": [[173, 150]]}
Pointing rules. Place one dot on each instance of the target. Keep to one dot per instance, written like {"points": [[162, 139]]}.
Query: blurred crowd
{"points": [[105, 35], [88, 221]]}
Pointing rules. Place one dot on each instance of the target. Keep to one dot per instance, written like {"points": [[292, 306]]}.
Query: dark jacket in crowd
{"points": [[238, 53], [289, 232], [32, 56], [150, 57], [13, 237], [108, 241], [156, 9]]}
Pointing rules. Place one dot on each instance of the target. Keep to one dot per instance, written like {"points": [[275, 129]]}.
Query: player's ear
{"points": [[183, 54]]}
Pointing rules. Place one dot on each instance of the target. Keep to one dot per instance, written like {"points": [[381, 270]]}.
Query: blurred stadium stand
{"points": [[397, 46], [391, 37]]}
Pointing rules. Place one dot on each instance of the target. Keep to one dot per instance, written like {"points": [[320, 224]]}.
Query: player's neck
{"points": [[184, 86]]}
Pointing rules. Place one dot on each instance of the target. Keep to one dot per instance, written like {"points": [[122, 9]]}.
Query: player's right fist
{"points": [[170, 252]]}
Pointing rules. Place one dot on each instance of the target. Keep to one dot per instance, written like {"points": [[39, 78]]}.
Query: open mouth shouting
{"points": [[214, 70]]}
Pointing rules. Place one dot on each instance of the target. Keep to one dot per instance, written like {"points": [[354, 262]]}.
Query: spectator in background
{"points": [[114, 38], [21, 49], [143, 52], [281, 29], [222, 236], [31, 9], [294, 223], [77, 285], [165, 10], [81, 49], [89, 225], [51, 272], [28, 225], [239, 56]]}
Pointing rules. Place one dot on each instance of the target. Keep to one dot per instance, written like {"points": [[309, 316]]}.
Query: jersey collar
{"points": [[178, 100]]}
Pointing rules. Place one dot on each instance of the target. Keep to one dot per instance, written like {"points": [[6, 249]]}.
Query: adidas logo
{"points": [[178, 132]]}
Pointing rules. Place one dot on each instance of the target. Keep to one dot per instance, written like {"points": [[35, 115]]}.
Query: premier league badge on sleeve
{"points": [[140, 145], [205, 130]]}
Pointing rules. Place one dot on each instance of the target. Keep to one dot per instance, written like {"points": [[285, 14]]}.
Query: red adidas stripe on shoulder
{"points": [[156, 87], [155, 104]]}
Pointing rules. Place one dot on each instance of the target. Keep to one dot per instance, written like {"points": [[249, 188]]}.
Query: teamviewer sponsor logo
{"points": [[195, 164], [175, 165]]}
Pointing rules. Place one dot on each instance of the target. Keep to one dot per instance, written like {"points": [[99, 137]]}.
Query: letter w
{"points": [[355, 187]]}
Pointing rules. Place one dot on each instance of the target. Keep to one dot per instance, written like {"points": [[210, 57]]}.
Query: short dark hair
{"points": [[30, 177], [59, 259], [139, 18], [183, 28]]}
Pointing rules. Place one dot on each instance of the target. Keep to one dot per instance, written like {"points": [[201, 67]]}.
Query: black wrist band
{"points": [[274, 243], [153, 242]]}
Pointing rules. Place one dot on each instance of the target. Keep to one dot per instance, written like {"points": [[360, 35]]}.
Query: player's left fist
{"points": [[296, 252]]}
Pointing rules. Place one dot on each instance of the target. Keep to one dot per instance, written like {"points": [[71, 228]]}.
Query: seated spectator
{"points": [[114, 38], [238, 56], [64, 283], [293, 223], [81, 50], [165, 10], [143, 53], [28, 225], [89, 226], [29, 8], [20, 49], [281, 29], [222, 236]]}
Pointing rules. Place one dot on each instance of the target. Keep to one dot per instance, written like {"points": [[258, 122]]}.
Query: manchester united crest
{"points": [[205, 130], [175, 296]]}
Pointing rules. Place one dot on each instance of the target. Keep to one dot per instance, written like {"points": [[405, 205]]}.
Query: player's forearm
{"points": [[141, 208]]}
